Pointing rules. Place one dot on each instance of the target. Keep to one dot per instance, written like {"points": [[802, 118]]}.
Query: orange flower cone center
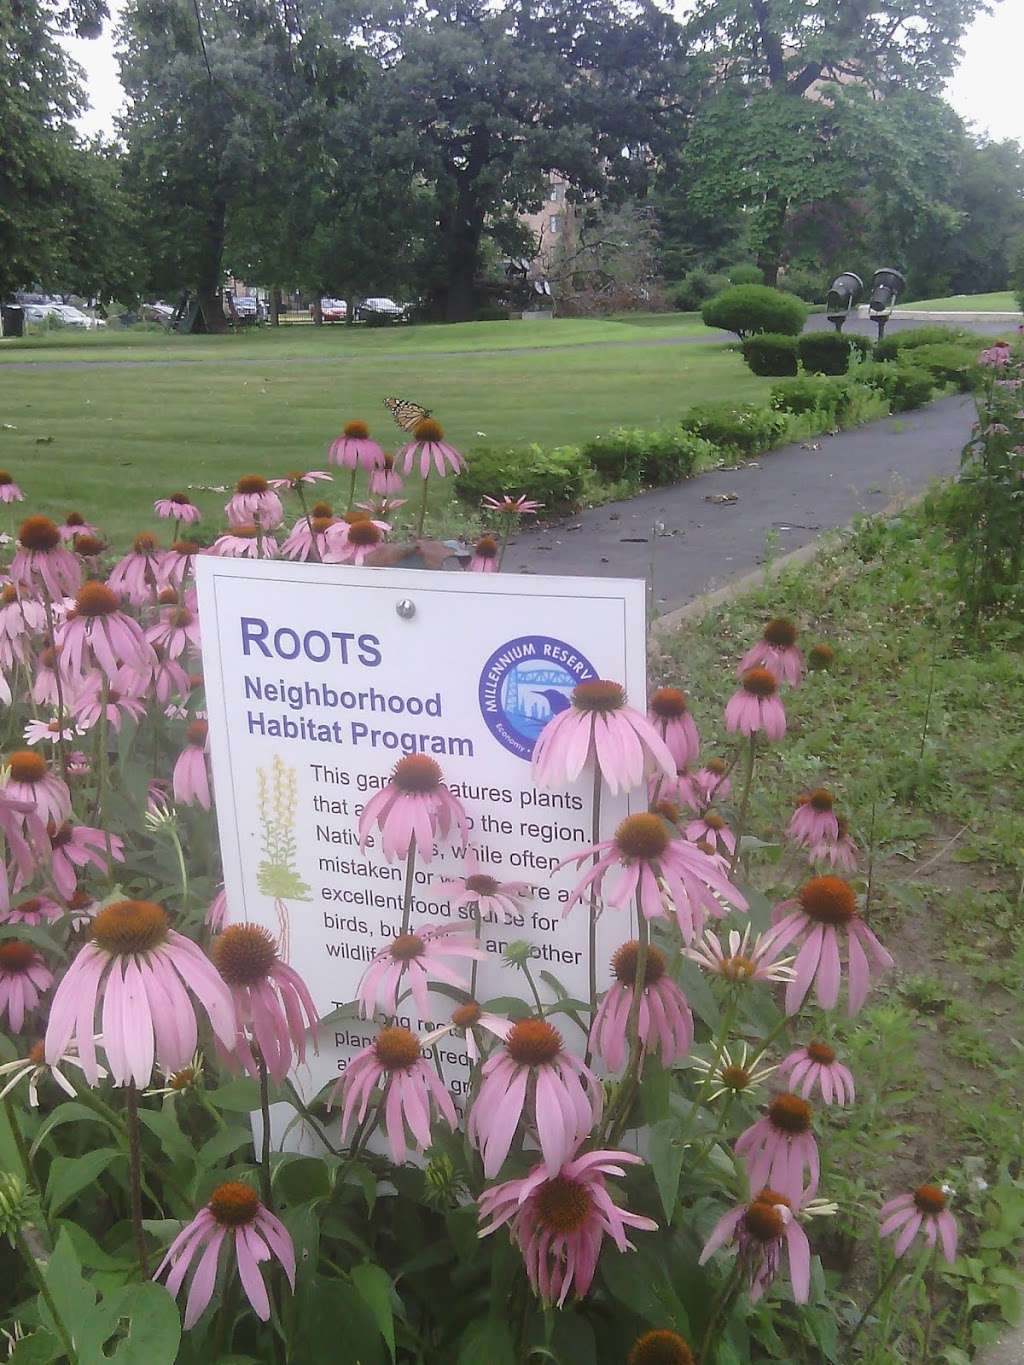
{"points": [[624, 964], [669, 703], [234, 1204], [128, 927], [828, 900], [533, 1042], [790, 1114], [397, 1049], [642, 836], [244, 954], [416, 774], [562, 1205], [599, 695]]}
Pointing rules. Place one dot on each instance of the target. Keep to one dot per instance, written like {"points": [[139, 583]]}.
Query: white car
{"points": [[74, 317]]}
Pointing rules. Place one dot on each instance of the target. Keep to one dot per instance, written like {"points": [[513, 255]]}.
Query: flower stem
{"points": [[719, 1313], [352, 488], [885, 1284], [533, 987], [506, 534], [33, 1266], [135, 1175], [410, 874], [61, 746], [741, 823], [477, 930], [423, 504], [595, 837], [265, 1188], [721, 1039], [19, 1140], [620, 1106], [226, 1320], [309, 522]]}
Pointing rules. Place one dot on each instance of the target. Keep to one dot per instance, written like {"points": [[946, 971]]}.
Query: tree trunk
{"points": [[350, 311], [275, 306], [771, 230], [317, 311], [465, 228], [211, 253]]}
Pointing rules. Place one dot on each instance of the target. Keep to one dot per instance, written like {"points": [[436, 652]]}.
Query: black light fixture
{"points": [[886, 287], [843, 294]]}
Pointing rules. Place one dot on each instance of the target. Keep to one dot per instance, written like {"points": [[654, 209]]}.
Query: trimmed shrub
{"points": [[492, 314], [806, 282], [771, 353], [891, 347], [554, 477], [948, 363], [662, 456], [905, 386], [824, 352], [745, 272], [744, 428], [749, 308], [863, 346], [827, 394], [695, 288]]}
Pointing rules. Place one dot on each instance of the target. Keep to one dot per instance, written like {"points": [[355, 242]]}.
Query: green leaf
{"points": [[375, 1289], [298, 1179], [223, 1144], [90, 1253], [147, 1321], [655, 1086], [697, 991], [163, 1124], [241, 1095], [73, 1296], [70, 1174], [35, 934], [69, 1112], [38, 1349], [487, 1342], [666, 1159]]}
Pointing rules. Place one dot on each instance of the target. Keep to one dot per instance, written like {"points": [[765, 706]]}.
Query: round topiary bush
{"points": [[824, 352], [749, 308], [771, 354], [745, 272]]}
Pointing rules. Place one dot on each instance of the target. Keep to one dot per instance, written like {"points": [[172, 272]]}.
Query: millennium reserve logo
{"points": [[524, 683]]}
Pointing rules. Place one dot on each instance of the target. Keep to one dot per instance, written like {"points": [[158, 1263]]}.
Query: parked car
{"points": [[333, 310], [74, 317], [247, 307], [38, 312], [157, 312], [382, 309]]}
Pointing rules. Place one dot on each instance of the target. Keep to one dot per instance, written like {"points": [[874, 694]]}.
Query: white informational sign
{"points": [[319, 679]]}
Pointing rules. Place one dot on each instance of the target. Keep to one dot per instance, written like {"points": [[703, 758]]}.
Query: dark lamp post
{"points": [[886, 287], [842, 297]]}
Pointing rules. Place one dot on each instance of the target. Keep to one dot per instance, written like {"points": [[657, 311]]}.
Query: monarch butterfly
{"points": [[405, 412]]}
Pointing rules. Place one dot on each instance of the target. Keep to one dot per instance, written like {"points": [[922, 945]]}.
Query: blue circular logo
{"points": [[524, 683]]}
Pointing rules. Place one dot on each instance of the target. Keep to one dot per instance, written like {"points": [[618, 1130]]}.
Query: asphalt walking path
{"points": [[702, 533]]}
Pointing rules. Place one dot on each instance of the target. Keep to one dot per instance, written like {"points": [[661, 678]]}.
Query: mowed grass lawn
{"points": [[1001, 302], [106, 439]]}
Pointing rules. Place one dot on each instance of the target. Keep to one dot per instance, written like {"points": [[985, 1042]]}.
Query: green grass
{"points": [[338, 342], [1001, 302], [107, 440], [913, 732]]}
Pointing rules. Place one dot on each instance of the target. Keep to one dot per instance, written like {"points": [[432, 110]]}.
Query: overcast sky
{"points": [[982, 91]]}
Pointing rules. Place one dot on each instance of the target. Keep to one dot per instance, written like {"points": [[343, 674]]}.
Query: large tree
{"points": [[42, 166], [482, 101], [803, 111]]}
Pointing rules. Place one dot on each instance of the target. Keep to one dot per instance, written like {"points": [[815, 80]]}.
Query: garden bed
{"points": [[910, 729]]}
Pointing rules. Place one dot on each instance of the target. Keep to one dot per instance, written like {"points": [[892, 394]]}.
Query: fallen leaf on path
{"points": [[721, 497]]}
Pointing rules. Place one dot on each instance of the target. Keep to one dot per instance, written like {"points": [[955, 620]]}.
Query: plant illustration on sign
{"points": [[277, 876]]}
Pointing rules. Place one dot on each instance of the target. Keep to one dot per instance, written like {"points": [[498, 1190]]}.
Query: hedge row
{"points": [[706, 435]]}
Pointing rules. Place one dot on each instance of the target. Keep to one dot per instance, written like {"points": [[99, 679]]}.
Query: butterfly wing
{"points": [[405, 412]]}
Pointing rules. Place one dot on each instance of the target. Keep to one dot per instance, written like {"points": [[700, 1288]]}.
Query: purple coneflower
{"points": [[234, 1214], [668, 710], [713, 781], [73, 847], [137, 971], [178, 507], [824, 908], [814, 820], [217, 911], [415, 804], [270, 999], [430, 448], [98, 633], [32, 782], [559, 1220], [763, 1230], [839, 853], [662, 872], [664, 1021], [297, 478], [711, 829], [465, 1021], [307, 540], [565, 1094], [33, 910], [512, 507], [350, 542], [34, 1068], [176, 631], [816, 1065], [921, 1210], [776, 650], [386, 480], [139, 574], [48, 731], [24, 977], [244, 542], [411, 960], [395, 1060], [95, 699], [40, 558], [680, 790], [779, 1147], [353, 449], [493, 899], [599, 727], [254, 502], [74, 525], [179, 563], [9, 490], [190, 779], [755, 705], [486, 552]]}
